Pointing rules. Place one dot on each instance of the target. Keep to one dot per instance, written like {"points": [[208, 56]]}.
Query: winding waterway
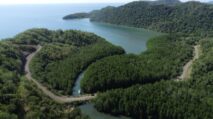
{"points": [[17, 18], [133, 40]]}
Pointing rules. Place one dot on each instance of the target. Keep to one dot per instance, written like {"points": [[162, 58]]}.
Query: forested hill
{"points": [[189, 17], [63, 55], [76, 16], [82, 15], [20, 98], [167, 2]]}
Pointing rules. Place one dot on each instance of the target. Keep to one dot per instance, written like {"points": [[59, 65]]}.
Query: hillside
{"points": [[19, 98], [76, 16], [190, 17], [166, 2], [190, 99], [39, 67], [64, 54], [82, 15], [164, 59], [141, 86]]}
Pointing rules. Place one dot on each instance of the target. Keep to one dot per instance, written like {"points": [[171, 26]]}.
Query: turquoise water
{"points": [[76, 91], [17, 18], [89, 109]]}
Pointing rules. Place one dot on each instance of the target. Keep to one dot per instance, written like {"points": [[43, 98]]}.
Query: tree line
{"points": [[19, 98], [190, 17], [164, 59], [65, 54], [191, 99]]}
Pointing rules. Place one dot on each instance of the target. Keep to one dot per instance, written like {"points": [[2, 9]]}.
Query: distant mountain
{"points": [[189, 17], [76, 16], [166, 2], [211, 2], [86, 15]]}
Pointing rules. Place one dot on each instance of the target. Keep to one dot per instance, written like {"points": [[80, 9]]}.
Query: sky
{"points": [[68, 1]]}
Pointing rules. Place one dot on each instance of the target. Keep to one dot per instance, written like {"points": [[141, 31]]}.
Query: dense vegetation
{"points": [[65, 54], [82, 15], [190, 17], [191, 99], [19, 99], [77, 16], [165, 2], [35, 105], [144, 85], [10, 68], [164, 59]]}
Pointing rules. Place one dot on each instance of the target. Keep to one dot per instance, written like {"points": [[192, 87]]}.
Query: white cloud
{"points": [[66, 1]]}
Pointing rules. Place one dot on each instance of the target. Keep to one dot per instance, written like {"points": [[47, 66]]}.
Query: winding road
{"points": [[56, 98], [188, 66], [65, 99]]}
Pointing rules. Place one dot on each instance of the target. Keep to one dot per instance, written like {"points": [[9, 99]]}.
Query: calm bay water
{"points": [[89, 109], [17, 18]]}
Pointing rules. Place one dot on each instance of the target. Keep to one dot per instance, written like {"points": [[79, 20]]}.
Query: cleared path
{"points": [[59, 99], [188, 66], [65, 99]]}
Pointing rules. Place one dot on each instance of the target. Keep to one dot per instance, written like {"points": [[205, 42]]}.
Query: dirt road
{"points": [[59, 99], [188, 66]]}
